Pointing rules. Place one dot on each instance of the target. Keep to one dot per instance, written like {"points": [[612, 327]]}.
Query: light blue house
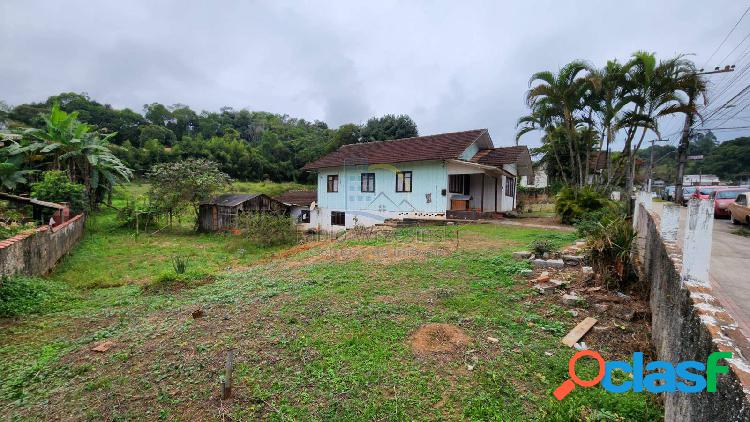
{"points": [[452, 175]]}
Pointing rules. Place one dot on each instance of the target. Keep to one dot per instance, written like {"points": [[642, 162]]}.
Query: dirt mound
{"points": [[438, 339]]}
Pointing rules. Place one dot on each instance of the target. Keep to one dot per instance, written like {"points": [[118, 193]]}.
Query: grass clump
{"points": [[180, 263], [173, 281], [28, 295]]}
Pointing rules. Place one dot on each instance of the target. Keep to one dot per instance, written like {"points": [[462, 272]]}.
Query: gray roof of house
{"points": [[230, 199]]}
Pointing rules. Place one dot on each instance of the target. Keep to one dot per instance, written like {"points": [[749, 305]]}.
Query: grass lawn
{"points": [[325, 330]]}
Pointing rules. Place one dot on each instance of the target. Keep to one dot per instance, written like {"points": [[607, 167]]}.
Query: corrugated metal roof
{"points": [[32, 201], [230, 199]]}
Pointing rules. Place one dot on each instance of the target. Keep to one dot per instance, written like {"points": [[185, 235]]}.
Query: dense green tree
{"points": [[30, 115], [250, 145], [185, 183], [157, 114], [162, 134], [184, 121], [728, 160], [388, 127], [345, 135]]}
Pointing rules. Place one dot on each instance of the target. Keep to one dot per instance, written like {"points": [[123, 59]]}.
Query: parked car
{"points": [[704, 192], [687, 193], [722, 198], [740, 209]]}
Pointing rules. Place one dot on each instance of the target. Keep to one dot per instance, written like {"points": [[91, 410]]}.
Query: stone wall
{"points": [[36, 253], [689, 322]]}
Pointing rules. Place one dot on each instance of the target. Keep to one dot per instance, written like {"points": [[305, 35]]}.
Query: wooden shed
{"points": [[222, 212]]}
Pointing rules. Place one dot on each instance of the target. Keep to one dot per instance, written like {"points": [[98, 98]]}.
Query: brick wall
{"points": [[37, 252]]}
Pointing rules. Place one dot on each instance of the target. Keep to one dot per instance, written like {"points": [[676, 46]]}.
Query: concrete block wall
{"points": [[36, 253], [689, 323]]}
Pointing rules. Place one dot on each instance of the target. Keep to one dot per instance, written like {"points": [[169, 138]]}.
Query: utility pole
{"points": [[682, 149], [651, 164]]}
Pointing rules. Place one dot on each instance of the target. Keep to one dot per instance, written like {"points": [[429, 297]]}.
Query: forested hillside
{"points": [[728, 159], [248, 145]]}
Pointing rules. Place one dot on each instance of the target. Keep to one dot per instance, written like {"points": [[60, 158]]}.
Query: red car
{"points": [[722, 198], [704, 192]]}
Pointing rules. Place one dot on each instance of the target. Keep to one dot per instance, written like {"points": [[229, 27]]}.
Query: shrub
{"points": [[610, 243], [55, 186], [25, 295], [572, 203], [138, 213], [588, 222], [540, 247], [267, 229]]}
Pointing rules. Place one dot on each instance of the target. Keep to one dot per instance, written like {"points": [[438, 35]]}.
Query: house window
{"points": [[368, 182], [510, 186], [333, 183], [338, 218], [459, 183], [403, 181], [304, 216]]}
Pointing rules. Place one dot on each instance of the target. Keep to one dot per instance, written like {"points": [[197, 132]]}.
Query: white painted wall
{"points": [[540, 178]]}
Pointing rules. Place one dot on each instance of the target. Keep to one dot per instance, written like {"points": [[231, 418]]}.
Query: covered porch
{"points": [[477, 191]]}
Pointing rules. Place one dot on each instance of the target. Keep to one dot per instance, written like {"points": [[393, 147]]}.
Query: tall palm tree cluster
{"points": [[584, 111], [66, 144]]}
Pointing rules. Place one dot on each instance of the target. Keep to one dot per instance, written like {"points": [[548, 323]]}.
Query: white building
{"points": [[458, 175], [700, 179], [539, 180]]}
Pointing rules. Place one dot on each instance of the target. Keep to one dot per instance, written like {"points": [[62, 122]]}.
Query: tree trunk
{"points": [[682, 151], [630, 181], [559, 164], [608, 158]]}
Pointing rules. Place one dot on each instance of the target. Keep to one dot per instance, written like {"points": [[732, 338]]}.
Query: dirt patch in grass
{"points": [[545, 221], [623, 320], [299, 249], [374, 255], [437, 338]]}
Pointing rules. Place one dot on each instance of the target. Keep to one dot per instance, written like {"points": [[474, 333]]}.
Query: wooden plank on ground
{"points": [[579, 331]]}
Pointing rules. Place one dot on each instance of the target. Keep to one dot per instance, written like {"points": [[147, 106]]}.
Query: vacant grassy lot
{"points": [[327, 330]]}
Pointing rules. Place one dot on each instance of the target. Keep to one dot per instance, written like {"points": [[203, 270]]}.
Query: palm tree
{"points": [[692, 87], [608, 102], [655, 92], [559, 100]]}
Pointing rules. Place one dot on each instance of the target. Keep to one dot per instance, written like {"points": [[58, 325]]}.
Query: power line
{"points": [[735, 49], [727, 37], [723, 109], [722, 128]]}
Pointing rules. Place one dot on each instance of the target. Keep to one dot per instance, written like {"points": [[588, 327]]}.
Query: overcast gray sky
{"points": [[450, 65]]}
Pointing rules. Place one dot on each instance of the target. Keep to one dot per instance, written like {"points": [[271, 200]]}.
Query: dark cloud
{"points": [[450, 65]]}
